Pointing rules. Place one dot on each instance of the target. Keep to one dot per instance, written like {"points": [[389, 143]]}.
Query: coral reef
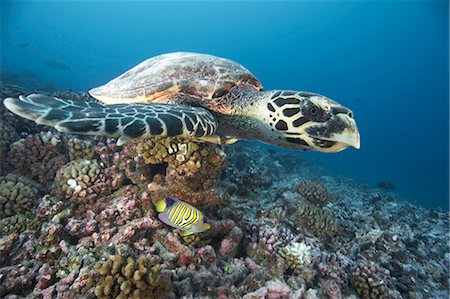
{"points": [[38, 156], [126, 277], [17, 194], [278, 230]]}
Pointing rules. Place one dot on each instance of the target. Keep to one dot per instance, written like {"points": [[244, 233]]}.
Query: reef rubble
{"points": [[77, 218]]}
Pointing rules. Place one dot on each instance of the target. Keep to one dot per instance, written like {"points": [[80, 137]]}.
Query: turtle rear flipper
{"points": [[126, 121]]}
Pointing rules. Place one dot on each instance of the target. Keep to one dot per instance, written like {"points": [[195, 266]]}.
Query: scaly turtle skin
{"points": [[197, 96]]}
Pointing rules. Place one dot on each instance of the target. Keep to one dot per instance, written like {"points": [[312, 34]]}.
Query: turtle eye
{"points": [[313, 111]]}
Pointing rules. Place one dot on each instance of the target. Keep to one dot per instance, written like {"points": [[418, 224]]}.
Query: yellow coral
{"points": [[122, 277]]}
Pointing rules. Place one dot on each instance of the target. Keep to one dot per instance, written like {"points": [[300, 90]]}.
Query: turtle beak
{"points": [[349, 136], [336, 134]]}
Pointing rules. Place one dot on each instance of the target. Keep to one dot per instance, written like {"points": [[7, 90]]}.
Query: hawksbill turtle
{"points": [[197, 96]]}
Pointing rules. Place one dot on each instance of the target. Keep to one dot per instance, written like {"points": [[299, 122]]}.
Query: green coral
{"points": [[297, 256], [122, 277], [157, 151], [369, 281], [81, 149], [320, 222], [313, 192], [16, 194], [18, 223]]}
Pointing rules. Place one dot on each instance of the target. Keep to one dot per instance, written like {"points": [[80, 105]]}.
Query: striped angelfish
{"points": [[181, 215]]}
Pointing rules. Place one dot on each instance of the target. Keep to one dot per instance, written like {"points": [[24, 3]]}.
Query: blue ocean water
{"points": [[388, 61]]}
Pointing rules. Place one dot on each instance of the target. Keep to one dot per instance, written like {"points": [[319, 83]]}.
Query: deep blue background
{"points": [[388, 61]]}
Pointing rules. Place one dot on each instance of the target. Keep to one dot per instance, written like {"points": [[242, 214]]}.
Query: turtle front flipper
{"points": [[123, 121]]}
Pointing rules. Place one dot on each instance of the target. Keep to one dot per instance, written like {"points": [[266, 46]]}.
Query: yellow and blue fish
{"points": [[181, 215]]}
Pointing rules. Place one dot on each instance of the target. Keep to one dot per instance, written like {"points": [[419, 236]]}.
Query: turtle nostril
{"points": [[350, 114]]}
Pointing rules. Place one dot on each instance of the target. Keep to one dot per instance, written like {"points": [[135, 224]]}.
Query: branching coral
{"points": [[126, 277], [370, 281], [297, 256], [313, 192], [320, 222], [82, 181], [16, 194], [38, 156], [81, 149]]}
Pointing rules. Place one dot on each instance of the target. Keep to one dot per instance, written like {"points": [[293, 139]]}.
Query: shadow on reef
{"points": [[77, 219]]}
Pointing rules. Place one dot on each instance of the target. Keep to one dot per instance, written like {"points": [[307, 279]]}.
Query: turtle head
{"points": [[308, 121]]}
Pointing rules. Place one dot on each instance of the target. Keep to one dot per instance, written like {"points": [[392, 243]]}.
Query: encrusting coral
{"points": [[38, 156], [127, 277], [16, 194]]}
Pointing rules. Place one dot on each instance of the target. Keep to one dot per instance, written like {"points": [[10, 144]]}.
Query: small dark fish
{"points": [[386, 186], [57, 65], [24, 45]]}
